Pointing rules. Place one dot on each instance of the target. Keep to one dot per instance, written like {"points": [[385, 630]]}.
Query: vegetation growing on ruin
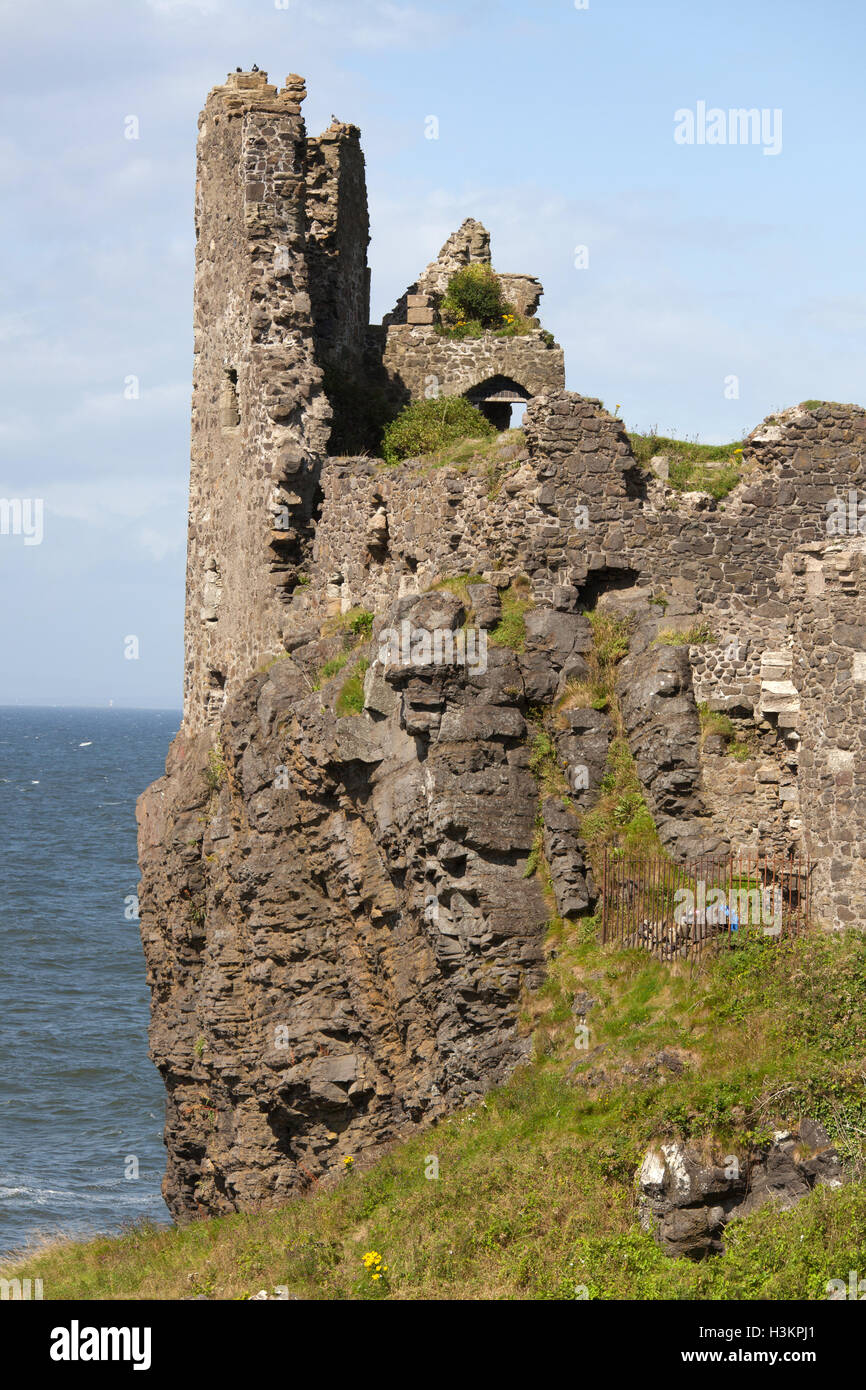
{"points": [[712, 468], [610, 636], [737, 745], [354, 623], [355, 627], [474, 304], [215, 770], [699, 634], [494, 456], [425, 427], [516, 601], [458, 584], [351, 697], [620, 818], [534, 1197]]}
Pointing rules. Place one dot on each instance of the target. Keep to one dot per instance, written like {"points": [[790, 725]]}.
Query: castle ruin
{"points": [[336, 915]]}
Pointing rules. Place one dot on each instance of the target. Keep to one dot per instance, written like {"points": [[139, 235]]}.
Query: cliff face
{"points": [[337, 925]]}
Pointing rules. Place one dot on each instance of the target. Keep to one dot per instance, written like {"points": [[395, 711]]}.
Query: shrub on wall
{"points": [[474, 293], [427, 426], [473, 304]]}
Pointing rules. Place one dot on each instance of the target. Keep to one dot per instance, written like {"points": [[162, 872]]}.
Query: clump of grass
{"points": [[355, 622], [716, 722], [355, 626], [458, 584], [718, 482], [712, 468], [516, 601], [215, 772], [545, 764], [699, 634], [610, 635], [331, 668], [620, 818], [582, 694], [610, 638], [351, 697]]}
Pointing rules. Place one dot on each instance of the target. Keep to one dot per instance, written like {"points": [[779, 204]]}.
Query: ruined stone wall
{"points": [[469, 245], [420, 362], [575, 514], [574, 504], [338, 235], [824, 585], [259, 416]]}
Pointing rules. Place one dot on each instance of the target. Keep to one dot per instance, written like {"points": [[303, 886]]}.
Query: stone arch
{"points": [[495, 396]]}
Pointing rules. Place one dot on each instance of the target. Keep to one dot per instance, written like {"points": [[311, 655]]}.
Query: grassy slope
{"points": [[534, 1196]]}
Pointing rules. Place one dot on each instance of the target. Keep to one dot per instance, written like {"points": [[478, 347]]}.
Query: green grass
{"points": [[215, 771], [698, 634], [331, 668], [712, 468], [534, 1197], [510, 631], [458, 584], [715, 722], [355, 627], [355, 622], [475, 453], [620, 817], [351, 697]]}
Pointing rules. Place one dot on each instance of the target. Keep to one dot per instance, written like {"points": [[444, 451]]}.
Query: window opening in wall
{"points": [[229, 408]]}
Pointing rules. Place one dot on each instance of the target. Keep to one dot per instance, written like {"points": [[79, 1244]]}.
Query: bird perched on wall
{"points": [[238, 69], [255, 67]]}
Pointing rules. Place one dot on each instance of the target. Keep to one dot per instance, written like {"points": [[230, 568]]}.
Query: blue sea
{"points": [[79, 1097]]}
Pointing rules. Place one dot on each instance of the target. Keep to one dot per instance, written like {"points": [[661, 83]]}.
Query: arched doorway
{"points": [[496, 397]]}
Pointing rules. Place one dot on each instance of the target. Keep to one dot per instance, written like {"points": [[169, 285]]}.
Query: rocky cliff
{"points": [[338, 926]]}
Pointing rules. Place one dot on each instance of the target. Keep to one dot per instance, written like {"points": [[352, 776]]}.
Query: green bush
{"points": [[425, 426], [474, 294]]}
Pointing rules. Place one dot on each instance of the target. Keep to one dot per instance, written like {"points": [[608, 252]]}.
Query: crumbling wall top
{"points": [[251, 91]]}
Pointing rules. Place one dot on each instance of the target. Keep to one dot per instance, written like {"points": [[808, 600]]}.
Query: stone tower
{"points": [[281, 287]]}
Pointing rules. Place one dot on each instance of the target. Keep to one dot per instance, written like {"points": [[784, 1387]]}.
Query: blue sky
{"points": [[555, 129]]}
